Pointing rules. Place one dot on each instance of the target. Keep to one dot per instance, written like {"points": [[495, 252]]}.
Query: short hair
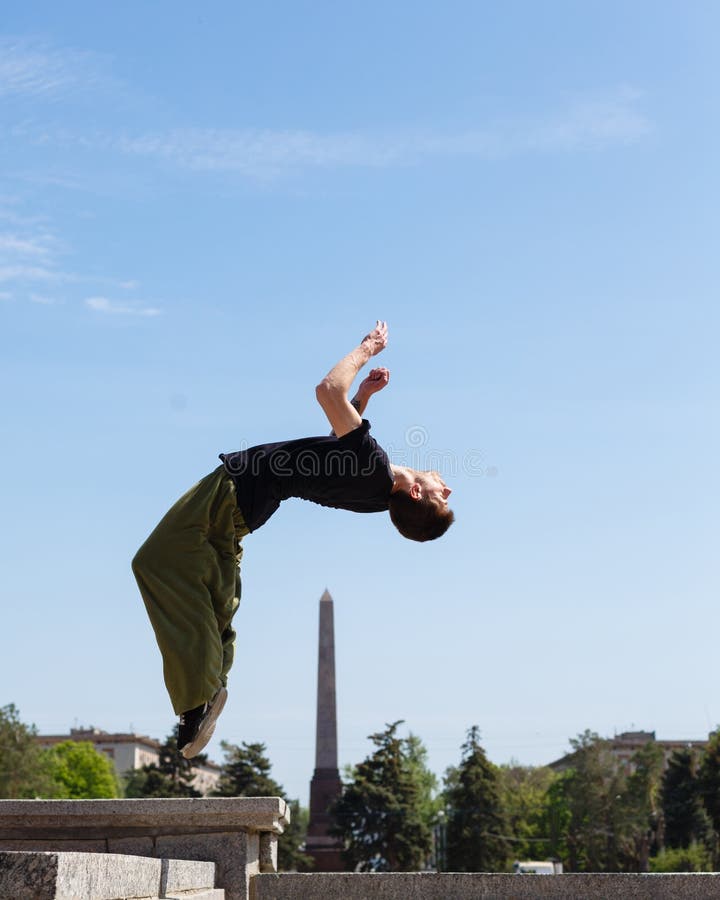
{"points": [[419, 520]]}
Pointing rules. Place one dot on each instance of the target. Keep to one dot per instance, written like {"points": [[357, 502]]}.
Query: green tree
{"points": [[476, 826], [556, 816], [291, 845], [709, 782], [23, 769], [171, 776], [429, 799], [694, 858], [685, 819], [380, 815], [524, 799], [614, 810], [638, 822], [80, 771], [246, 773], [592, 788]]}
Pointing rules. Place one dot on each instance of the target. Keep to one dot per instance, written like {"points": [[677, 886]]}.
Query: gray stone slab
{"points": [[46, 819], [431, 886], [76, 876], [28, 876], [235, 856], [186, 875]]}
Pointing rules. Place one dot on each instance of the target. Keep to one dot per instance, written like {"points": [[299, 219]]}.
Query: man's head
{"points": [[419, 505]]}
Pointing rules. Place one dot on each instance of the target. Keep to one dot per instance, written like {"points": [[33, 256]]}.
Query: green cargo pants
{"points": [[188, 572]]}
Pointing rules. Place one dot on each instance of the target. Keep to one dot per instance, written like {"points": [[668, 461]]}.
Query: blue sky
{"points": [[203, 207]]}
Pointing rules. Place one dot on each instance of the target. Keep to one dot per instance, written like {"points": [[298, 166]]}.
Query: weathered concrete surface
{"points": [[93, 819], [431, 886], [77, 876]]}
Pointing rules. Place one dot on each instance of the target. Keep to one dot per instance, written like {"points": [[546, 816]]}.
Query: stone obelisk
{"points": [[325, 786]]}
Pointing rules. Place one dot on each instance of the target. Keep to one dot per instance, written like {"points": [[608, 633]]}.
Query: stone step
{"points": [[480, 886], [238, 834], [39, 875]]}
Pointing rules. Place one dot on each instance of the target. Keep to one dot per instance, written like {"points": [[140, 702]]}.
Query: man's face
{"points": [[433, 486]]}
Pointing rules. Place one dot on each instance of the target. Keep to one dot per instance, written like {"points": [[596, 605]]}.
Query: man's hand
{"points": [[332, 392], [375, 381], [376, 341]]}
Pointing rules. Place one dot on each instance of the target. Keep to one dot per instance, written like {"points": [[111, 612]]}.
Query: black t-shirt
{"points": [[352, 472]]}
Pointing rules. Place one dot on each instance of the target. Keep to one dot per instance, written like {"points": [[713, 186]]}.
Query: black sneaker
{"points": [[197, 725]]}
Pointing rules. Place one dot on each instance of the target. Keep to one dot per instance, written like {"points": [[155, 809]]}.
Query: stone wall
{"points": [[430, 886], [238, 834]]}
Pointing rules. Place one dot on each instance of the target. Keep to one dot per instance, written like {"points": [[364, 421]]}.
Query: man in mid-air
{"points": [[188, 570]]}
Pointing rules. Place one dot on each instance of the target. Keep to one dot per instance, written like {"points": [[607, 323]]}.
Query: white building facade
{"points": [[132, 751]]}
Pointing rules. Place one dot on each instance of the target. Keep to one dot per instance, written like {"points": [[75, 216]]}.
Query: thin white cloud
{"points": [[586, 124], [35, 246], [109, 307], [35, 68], [593, 124], [25, 273], [254, 152], [44, 300], [5, 296], [30, 255]]}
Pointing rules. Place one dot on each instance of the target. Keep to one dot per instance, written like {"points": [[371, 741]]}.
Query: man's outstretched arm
{"points": [[375, 381], [332, 392]]}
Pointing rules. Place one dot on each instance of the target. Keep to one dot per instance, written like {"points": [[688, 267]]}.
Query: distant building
{"points": [[624, 745], [132, 751]]}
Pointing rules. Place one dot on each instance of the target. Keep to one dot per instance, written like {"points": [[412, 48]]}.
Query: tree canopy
{"points": [[171, 776], [23, 769], [476, 822], [81, 772], [382, 813]]}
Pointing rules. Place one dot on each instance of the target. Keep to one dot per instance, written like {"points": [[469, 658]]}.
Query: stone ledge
{"points": [[48, 819], [473, 886], [80, 876]]}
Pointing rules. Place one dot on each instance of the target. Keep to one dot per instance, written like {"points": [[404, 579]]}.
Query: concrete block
{"points": [[76, 876], [223, 830], [185, 875], [88, 819], [268, 852], [472, 886], [235, 856]]}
